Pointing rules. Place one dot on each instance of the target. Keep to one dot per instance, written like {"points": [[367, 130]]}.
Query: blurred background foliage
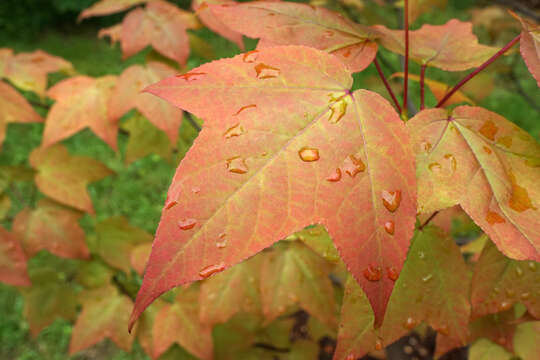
{"points": [[138, 190]]}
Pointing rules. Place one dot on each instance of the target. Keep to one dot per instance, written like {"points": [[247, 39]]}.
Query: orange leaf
{"points": [[213, 23], [286, 23], [64, 177], [489, 166], [107, 7], [451, 47], [127, 95], [14, 108], [12, 260], [267, 164], [51, 227], [81, 102], [530, 46]]}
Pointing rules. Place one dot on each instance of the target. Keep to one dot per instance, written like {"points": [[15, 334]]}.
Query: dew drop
{"points": [[435, 167], [391, 199], [505, 305], [425, 146], [496, 290], [328, 33], [308, 154], [487, 149], [223, 243], [337, 111], [427, 277], [250, 106], [266, 72], [186, 224], [237, 165], [378, 344], [347, 52], [392, 273], [235, 130], [494, 218], [389, 226], [335, 176], [170, 204], [452, 160], [353, 165], [421, 255], [372, 273], [532, 265], [444, 330], [212, 269], [489, 130], [510, 292], [196, 190], [350, 357], [410, 323], [525, 296], [250, 56], [190, 76], [519, 272]]}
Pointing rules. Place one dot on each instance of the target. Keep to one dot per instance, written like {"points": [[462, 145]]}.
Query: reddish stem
{"points": [[422, 91], [387, 85], [406, 70], [428, 220], [478, 69]]}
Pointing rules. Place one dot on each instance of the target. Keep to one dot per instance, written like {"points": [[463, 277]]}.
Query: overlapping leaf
{"points": [[81, 102], [115, 239], [489, 166], [530, 46], [266, 164], [499, 282], [486, 350], [51, 227], [235, 290], [451, 47], [161, 25], [527, 340], [14, 108], [103, 316], [419, 7], [213, 23], [145, 139], [127, 95], [64, 177], [432, 288], [28, 71], [12, 260], [107, 7], [286, 23], [139, 257], [179, 323], [439, 90]]}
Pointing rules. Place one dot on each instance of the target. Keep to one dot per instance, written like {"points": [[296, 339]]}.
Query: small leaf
{"points": [[12, 260], [294, 274], [486, 350], [14, 109], [179, 323], [107, 7], [499, 282], [103, 316], [64, 177], [286, 23], [51, 227], [81, 102], [232, 291], [145, 139], [115, 241], [259, 146], [127, 95], [530, 46], [527, 340], [451, 47], [485, 163]]}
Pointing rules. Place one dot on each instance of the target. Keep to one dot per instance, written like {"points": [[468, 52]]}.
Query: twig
{"points": [[478, 69], [515, 5], [192, 121], [422, 90], [387, 85], [38, 104], [428, 220], [406, 67]]}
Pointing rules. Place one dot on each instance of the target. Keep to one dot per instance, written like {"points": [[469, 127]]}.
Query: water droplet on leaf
{"points": [[392, 273], [353, 165], [378, 344], [427, 277], [421, 255], [212, 269], [308, 154], [525, 296], [532, 265], [372, 273], [410, 323], [195, 190], [237, 165], [389, 227], [505, 305], [391, 199], [335, 176], [190, 76], [235, 130], [337, 111], [186, 224], [250, 106], [266, 72], [250, 56], [425, 146], [519, 272]]}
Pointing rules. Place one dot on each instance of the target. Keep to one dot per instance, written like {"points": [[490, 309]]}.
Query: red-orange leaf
{"points": [[52, 227], [179, 323], [451, 47], [12, 260], [28, 71], [280, 123], [103, 316], [161, 25], [286, 23], [499, 282], [107, 7], [213, 23], [81, 102], [127, 95], [530, 46], [64, 177], [489, 166], [14, 108]]}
